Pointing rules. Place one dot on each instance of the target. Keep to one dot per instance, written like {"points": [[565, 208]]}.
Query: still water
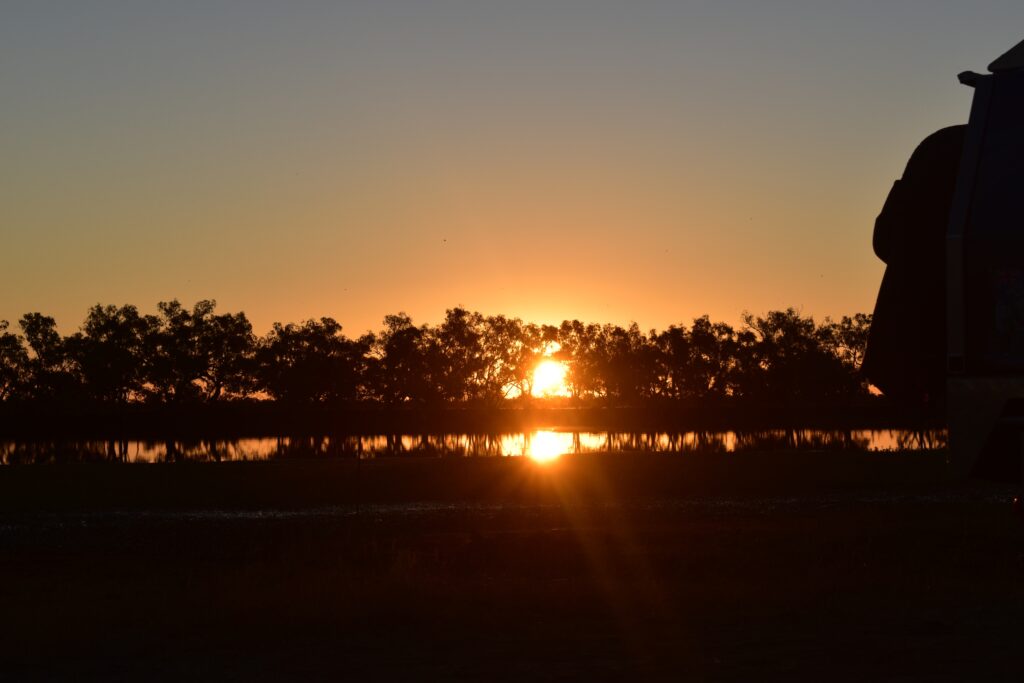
{"points": [[540, 445]]}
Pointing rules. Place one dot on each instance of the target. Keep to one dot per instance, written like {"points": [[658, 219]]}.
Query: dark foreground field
{"points": [[719, 567]]}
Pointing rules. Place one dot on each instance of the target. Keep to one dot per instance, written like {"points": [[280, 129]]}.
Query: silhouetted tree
{"points": [[109, 352], [712, 360], [508, 357], [672, 358], [629, 364], [848, 338], [50, 373], [173, 357], [746, 373], [582, 346], [311, 362], [228, 347], [795, 360], [460, 364], [14, 363], [405, 361], [194, 355]]}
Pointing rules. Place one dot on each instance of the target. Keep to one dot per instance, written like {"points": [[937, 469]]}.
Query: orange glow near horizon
{"points": [[501, 159]]}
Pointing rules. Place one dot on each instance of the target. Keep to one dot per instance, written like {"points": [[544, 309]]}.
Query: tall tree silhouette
{"points": [[795, 360], [50, 374], [848, 338], [311, 362], [173, 356], [629, 364], [583, 346], [672, 347], [460, 362], [509, 354], [405, 362], [227, 347], [198, 355], [712, 359], [109, 352], [13, 363]]}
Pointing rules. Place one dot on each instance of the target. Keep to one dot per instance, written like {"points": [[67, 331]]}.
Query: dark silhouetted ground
{"points": [[733, 568]]}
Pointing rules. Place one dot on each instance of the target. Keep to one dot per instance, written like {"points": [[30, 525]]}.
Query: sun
{"points": [[549, 378]]}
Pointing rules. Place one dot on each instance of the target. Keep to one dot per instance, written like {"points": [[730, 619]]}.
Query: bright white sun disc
{"points": [[549, 379]]}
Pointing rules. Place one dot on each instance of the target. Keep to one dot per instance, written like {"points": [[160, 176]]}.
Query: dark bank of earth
{"points": [[747, 567], [248, 419]]}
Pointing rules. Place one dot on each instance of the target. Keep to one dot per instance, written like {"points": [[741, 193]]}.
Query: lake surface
{"points": [[540, 445]]}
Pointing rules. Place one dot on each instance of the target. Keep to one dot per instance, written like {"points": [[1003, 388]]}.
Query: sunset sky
{"points": [[647, 161]]}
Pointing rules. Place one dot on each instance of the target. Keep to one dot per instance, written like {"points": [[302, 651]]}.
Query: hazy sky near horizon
{"points": [[607, 161]]}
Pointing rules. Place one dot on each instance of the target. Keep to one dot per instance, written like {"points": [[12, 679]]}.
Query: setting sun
{"points": [[549, 378]]}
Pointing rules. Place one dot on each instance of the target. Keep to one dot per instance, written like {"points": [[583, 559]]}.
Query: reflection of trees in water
{"points": [[668, 442], [707, 442], [123, 451], [723, 442], [387, 445], [197, 450], [306, 447], [63, 452], [922, 440], [802, 439], [458, 445]]}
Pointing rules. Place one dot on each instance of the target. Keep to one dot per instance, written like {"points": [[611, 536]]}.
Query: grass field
{"points": [[735, 568]]}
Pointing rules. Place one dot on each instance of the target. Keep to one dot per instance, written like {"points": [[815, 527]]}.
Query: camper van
{"points": [[948, 331]]}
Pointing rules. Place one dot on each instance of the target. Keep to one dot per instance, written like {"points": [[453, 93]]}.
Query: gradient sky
{"points": [[647, 161]]}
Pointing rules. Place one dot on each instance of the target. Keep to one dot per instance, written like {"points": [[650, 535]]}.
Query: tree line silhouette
{"points": [[198, 356]]}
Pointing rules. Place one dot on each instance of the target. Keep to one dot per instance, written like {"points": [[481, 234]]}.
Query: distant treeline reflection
{"points": [[182, 356], [540, 444]]}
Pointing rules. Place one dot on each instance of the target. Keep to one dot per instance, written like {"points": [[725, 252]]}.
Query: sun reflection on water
{"points": [[548, 446]]}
